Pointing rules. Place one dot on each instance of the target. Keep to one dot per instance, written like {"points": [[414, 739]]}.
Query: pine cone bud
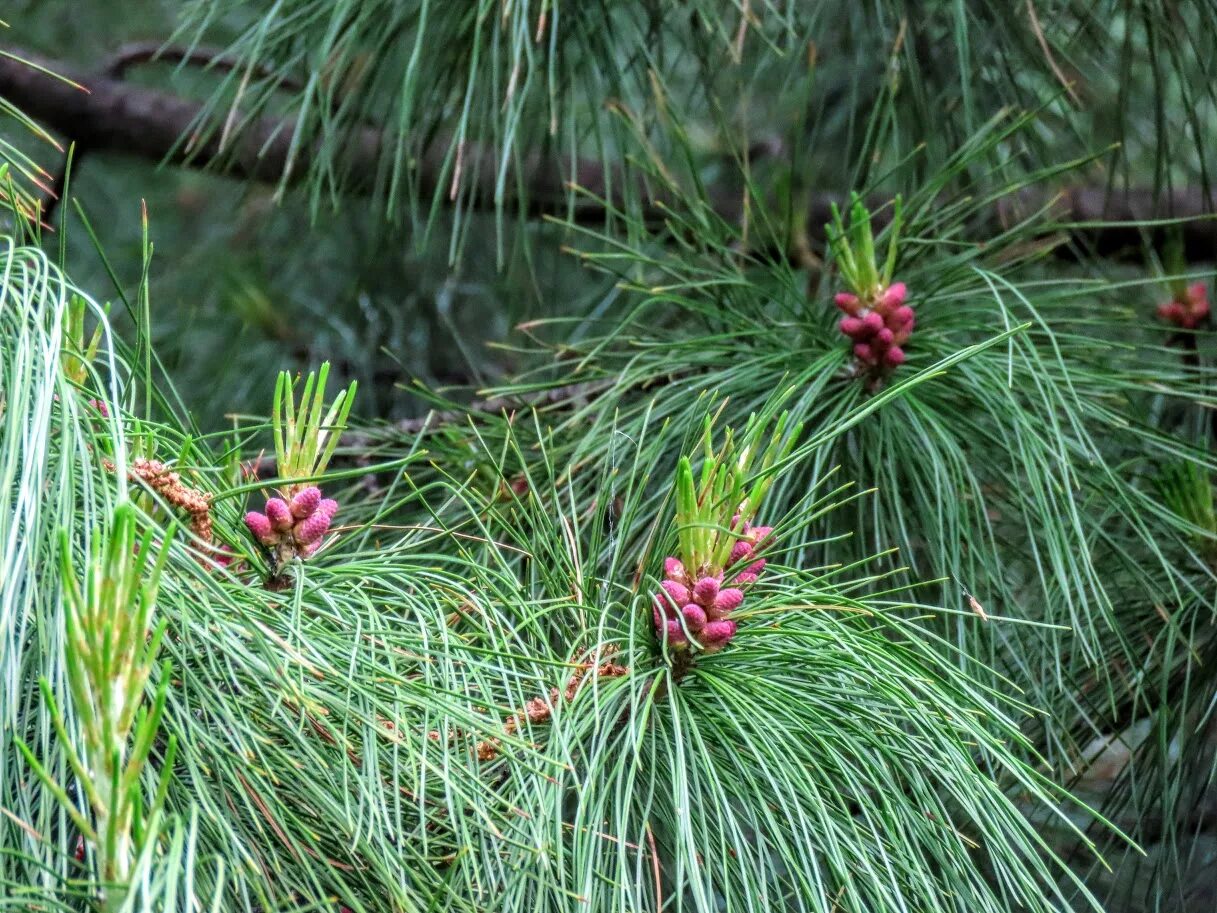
{"points": [[740, 551], [279, 515], [717, 633], [695, 617], [310, 530], [676, 634], [678, 592], [851, 326], [259, 525], [705, 591], [873, 323], [894, 295], [727, 600], [305, 502], [759, 534], [846, 302], [673, 569]]}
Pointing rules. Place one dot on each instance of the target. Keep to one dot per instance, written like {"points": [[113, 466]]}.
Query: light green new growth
{"points": [[78, 354], [734, 480], [305, 438], [111, 649], [854, 247], [1188, 493]]}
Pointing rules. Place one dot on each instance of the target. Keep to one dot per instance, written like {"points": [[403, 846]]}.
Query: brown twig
{"points": [[148, 123], [116, 67], [540, 709], [141, 52]]}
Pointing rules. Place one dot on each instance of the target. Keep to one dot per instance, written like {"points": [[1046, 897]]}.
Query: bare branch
{"points": [[113, 116]]}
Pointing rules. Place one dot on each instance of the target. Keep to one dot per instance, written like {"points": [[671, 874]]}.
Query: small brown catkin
{"points": [[169, 486]]}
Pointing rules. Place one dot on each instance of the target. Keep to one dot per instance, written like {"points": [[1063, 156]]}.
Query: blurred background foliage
{"points": [[244, 285], [394, 290], [956, 104]]}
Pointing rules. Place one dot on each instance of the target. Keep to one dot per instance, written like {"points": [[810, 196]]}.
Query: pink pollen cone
{"points": [[850, 326], [873, 322], [673, 569], [310, 530], [759, 534], [884, 337], [279, 515], [756, 567], [305, 502], [745, 578], [894, 356], [718, 632], [846, 302], [100, 407], [308, 550], [894, 295], [329, 507], [903, 316], [678, 592], [727, 600], [695, 617], [705, 590], [740, 551], [259, 525], [676, 634], [863, 352]]}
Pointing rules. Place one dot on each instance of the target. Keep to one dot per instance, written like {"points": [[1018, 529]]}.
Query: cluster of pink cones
{"points": [[699, 605], [1190, 311], [879, 328], [298, 525]]}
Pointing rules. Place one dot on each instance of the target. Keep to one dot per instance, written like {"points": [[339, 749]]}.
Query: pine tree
{"points": [[828, 526]]}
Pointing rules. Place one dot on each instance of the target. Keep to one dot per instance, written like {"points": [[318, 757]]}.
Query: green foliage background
{"points": [[987, 572]]}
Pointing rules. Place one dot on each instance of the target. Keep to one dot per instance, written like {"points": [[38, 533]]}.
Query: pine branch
{"points": [[113, 116]]}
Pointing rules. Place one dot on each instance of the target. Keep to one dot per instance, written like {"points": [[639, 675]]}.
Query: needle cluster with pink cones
{"points": [[1188, 309], [293, 527], [698, 606], [717, 555], [294, 524], [877, 320], [879, 327]]}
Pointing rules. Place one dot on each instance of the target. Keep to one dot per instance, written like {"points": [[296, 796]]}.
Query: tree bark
{"points": [[109, 115]]}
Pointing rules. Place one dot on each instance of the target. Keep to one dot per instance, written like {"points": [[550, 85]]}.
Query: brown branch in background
{"points": [[141, 52], [137, 54], [541, 709], [113, 116]]}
